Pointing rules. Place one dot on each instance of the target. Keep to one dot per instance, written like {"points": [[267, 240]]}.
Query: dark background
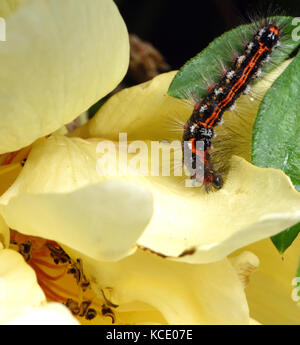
{"points": [[181, 29]]}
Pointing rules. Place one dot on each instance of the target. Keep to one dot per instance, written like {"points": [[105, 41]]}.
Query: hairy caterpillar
{"points": [[208, 112], [257, 48]]}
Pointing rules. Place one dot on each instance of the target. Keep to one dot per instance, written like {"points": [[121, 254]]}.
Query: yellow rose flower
{"points": [[118, 248]]}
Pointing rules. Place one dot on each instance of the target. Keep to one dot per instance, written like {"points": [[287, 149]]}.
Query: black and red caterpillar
{"points": [[222, 96]]}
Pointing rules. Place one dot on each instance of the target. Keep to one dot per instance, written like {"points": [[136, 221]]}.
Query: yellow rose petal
{"points": [[4, 233], [182, 293], [48, 314], [60, 196], [269, 292], [8, 174], [144, 112], [193, 226], [253, 204], [254, 322], [7, 7], [18, 286], [60, 57], [245, 264], [139, 313]]}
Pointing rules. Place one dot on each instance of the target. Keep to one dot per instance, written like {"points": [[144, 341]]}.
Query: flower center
{"points": [[19, 156], [62, 279]]}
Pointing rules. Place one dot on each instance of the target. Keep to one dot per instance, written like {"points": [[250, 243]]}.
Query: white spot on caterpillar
{"points": [[258, 73], [271, 35], [230, 74], [261, 31], [218, 91], [203, 108], [249, 47], [247, 90], [241, 59], [192, 128], [232, 107]]}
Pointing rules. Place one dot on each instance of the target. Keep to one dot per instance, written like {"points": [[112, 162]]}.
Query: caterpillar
{"points": [[220, 97]]}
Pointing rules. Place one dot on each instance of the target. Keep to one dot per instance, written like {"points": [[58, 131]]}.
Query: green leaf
{"points": [[276, 131], [284, 239], [276, 134], [190, 79]]}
